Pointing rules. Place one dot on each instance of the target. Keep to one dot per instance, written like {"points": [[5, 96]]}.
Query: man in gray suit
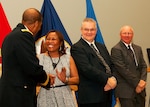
{"points": [[131, 70]]}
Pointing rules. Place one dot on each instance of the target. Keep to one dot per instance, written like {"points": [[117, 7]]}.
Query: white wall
{"points": [[111, 15]]}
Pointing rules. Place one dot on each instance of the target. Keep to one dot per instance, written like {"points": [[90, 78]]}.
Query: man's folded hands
{"points": [[111, 83]]}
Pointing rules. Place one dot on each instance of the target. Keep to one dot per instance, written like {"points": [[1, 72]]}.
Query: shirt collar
{"points": [[28, 29], [127, 44], [93, 42]]}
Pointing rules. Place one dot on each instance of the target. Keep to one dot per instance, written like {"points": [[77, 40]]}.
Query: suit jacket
{"points": [[20, 70], [92, 73], [128, 75]]}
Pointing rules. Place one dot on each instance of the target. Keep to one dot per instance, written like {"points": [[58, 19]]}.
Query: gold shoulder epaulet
{"points": [[46, 82], [26, 30]]}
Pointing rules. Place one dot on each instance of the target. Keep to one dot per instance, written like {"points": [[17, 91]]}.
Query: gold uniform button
{"points": [[25, 86]]}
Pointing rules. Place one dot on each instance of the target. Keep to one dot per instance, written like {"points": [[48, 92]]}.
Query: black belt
{"points": [[58, 86]]}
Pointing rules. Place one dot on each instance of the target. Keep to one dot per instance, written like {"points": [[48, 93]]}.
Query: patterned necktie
{"points": [[101, 59], [131, 54]]}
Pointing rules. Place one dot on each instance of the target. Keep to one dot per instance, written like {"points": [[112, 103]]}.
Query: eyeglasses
{"points": [[91, 30], [127, 33]]}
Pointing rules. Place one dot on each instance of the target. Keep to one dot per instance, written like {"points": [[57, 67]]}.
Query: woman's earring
{"points": [[60, 48]]}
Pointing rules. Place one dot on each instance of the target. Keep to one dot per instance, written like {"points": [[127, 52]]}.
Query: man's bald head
{"points": [[31, 15], [32, 19]]}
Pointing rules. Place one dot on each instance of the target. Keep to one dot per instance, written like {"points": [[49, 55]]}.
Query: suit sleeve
{"points": [[142, 66], [87, 66], [26, 56], [122, 69]]}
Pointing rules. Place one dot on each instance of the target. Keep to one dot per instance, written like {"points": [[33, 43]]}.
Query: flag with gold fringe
{"points": [[51, 21]]}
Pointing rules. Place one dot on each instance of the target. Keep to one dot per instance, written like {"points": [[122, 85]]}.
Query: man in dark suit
{"points": [[20, 67], [131, 70], [96, 80]]}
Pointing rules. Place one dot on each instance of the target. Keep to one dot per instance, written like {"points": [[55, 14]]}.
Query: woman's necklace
{"points": [[54, 64]]}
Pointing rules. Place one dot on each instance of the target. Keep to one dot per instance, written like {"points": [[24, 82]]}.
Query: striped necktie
{"points": [[132, 55], [101, 59], [130, 51]]}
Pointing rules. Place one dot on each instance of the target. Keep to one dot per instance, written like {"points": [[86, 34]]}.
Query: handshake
{"points": [[111, 83]]}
